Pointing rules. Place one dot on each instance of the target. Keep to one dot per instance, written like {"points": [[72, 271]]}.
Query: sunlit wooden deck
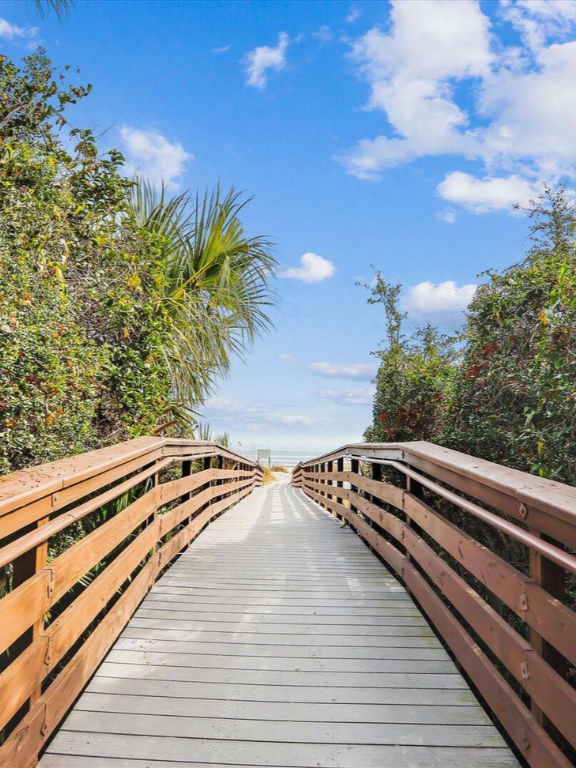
{"points": [[277, 639]]}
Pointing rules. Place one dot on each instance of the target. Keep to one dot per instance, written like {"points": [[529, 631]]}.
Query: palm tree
{"points": [[218, 282], [60, 7]]}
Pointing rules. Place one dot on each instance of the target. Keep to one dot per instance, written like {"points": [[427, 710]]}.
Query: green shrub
{"points": [[79, 284], [506, 389], [412, 376], [513, 399]]}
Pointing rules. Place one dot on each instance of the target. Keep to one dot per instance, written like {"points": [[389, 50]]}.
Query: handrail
{"points": [[21, 488], [69, 592], [440, 514], [555, 554], [553, 497]]}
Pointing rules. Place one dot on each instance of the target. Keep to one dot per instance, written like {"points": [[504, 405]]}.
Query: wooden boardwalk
{"points": [[277, 639]]}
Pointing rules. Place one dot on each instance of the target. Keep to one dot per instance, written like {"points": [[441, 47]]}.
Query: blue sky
{"points": [[394, 134]]}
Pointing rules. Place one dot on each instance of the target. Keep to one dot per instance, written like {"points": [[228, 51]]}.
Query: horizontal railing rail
{"points": [[81, 542], [488, 553]]}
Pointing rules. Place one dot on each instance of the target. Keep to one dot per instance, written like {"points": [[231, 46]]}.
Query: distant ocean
{"points": [[288, 458]]}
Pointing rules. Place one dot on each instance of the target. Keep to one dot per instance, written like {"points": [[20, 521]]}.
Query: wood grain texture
{"points": [[520, 724], [277, 639], [130, 548]]}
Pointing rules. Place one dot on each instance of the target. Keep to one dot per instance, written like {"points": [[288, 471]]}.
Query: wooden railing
{"points": [[488, 553], [81, 542]]}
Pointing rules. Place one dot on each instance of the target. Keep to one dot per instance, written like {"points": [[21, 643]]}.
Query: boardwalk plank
{"points": [[263, 677], [349, 666], [301, 694], [209, 752], [195, 625], [277, 639], [283, 711], [287, 732], [252, 648], [302, 616]]}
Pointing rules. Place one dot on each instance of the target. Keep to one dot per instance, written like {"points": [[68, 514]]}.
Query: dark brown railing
{"points": [[488, 553], [81, 542]]}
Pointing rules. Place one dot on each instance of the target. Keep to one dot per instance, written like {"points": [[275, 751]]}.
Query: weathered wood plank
{"points": [[350, 665], [277, 693], [358, 628], [380, 651], [216, 620], [284, 711], [230, 729], [207, 752], [277, 639]]}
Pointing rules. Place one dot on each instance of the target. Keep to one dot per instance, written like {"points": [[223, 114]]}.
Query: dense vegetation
{"points": [[505, 388], [119, 308]]}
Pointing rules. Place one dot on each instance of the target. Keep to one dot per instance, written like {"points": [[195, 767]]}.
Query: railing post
{"points": [[219, 465], [207, 464], [186, 472], [354, 469], [26, 566], [551, 578], [375, 474], [339, 468], [416, 489], [332, 482], [339, 483]]}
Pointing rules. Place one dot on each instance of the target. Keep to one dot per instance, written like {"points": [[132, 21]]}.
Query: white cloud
{"points": [[324, 34], [349, 397], [284, 357], [353, 14], [285, 418], [261, 59], [313, 269], [223, 406], [254, 416], [10, 31], [537, 20], [448, 215], [222, 49], [488, 194], [427, 297], [449, 86], [359, 371], [150, 154], [409, 71], [533, 116]]}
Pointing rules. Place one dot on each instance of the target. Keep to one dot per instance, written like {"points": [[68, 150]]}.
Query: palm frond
{"points": [[60, 7], [218, 282]]}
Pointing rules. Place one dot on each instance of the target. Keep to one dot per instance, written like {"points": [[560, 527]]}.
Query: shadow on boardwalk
{"points": [[277, 639]]}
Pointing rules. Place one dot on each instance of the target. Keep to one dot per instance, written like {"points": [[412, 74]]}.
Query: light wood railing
{"points": [[81, 542], [489, 554]]}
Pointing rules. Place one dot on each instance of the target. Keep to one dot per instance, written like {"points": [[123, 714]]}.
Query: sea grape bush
{"points": [[120, 305], [513, 398], [79, 284], [412, 375], [505, 388]]}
